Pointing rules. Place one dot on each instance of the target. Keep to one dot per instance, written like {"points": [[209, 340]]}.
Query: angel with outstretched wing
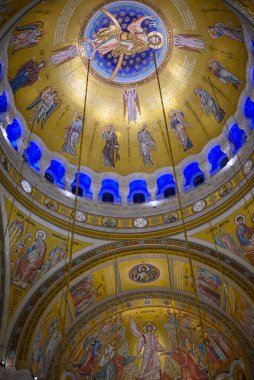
{"points": [[45, 105], [131, 104], [29, 36], [148, 342], [190, 42]]}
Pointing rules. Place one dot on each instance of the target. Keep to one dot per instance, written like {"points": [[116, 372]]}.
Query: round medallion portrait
{"points": [[144, 273], [123, 39]]}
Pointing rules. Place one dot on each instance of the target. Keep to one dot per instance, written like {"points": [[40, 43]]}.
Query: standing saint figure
{"points": [[219, 29], [146, 144], [189, 42], [179, 127], [27, 75], [131, 102], [209, 105], [110, 151], [148, 342], [72, 135], [224, 75]]}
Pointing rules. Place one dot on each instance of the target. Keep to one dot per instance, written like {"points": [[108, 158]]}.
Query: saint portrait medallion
{"points": [[144, 273], [123, 40]]}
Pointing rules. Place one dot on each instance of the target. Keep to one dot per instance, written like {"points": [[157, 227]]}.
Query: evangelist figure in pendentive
{"points": [[245, 235], [224, 75], [209, 105], [131, 103], [113, 39], [31, 261], [148, 342], [146, 144], [110, 151], [72, 135], [178, 125], [29, 36]]}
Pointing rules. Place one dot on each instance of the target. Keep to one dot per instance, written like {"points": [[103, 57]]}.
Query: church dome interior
{"points": [[126, 202]]}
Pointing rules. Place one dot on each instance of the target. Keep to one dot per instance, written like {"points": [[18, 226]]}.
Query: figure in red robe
{"points": [[27, 75], [190, 368]]}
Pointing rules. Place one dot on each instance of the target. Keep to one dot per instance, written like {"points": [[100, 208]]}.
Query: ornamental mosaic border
{"points": [[154, 221]]}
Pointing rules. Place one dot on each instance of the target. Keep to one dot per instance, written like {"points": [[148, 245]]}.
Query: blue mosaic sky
{"points": [[136, 67]]}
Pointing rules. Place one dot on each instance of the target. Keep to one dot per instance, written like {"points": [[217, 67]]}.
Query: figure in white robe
{"points": [[189, 42], [148, 342], [64, 54], [131, 103]]}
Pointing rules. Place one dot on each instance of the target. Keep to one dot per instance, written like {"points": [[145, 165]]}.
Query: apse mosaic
{"points": [[121, 346]]}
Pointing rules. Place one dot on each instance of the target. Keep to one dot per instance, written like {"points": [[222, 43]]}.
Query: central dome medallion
{"points": [[121, 39]]}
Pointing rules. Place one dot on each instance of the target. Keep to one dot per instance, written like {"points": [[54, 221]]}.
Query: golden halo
{"points": [[157, 46], [171, 112], [111, 125], [140, 127], [149, 324], [42, 233], [240, 216]]}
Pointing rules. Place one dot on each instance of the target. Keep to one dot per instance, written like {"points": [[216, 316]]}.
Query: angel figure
{"points": [[64, 54], [46, 104], [224, 75], [219, 30], [29, 36], [131, 103], [189, 42], [148, 342]]}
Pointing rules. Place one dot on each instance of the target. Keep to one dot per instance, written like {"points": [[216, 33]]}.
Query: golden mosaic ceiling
{"points": [[195, 47]]}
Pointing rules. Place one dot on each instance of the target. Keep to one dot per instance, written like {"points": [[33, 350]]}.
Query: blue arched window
{"points": [[138, 192], [55, 173], [249, 111], [32, 155], [236, 137], [4, 102], [14, 132], [193, 176], [166, 186], [217, 159], [84, 186], [109, 192]]}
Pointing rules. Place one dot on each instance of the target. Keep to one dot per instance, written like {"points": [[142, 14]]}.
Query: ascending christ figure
{"points": [[113, 39], [148, 342]]}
